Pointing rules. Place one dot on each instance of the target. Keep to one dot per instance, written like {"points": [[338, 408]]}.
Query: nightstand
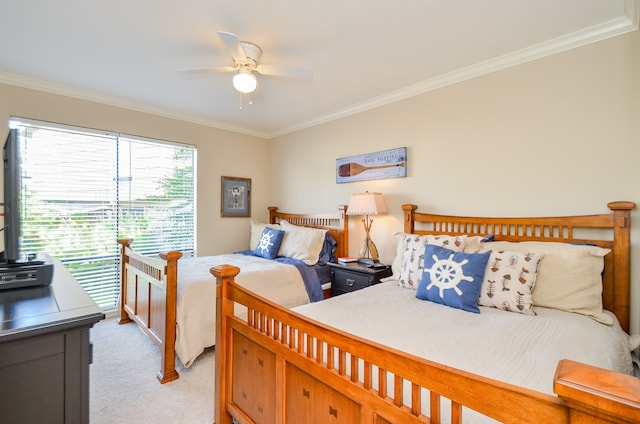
{"points": [[354, 276]]}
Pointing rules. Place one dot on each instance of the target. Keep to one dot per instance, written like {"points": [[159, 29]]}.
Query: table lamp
{"points": [[367, 204]]}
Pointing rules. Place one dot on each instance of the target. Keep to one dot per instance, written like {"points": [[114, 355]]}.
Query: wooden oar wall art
{"points": [[372, 166]]}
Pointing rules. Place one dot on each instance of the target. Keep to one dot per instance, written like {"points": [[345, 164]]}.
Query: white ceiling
{"points": [[363, 53]]}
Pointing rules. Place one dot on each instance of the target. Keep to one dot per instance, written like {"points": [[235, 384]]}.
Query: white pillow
{"points": [[302, 243], [256, 232], [396, 265], [569, 276]]}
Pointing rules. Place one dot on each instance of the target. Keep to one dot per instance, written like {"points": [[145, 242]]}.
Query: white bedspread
{"points": [[515, 348], [196, 305]]}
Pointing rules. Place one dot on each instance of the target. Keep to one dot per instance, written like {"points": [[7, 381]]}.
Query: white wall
{"points": [[219, 153], [560, 135]]}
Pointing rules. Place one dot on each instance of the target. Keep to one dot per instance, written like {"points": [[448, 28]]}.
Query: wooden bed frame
{"points": [[277, 366], [148, 286]]}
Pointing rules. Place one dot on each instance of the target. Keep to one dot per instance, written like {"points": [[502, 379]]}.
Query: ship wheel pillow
{"points": [[452, 278]]}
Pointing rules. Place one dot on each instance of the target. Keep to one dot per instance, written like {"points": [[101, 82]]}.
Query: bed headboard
{"points": [[616, 276], [337, 224]]}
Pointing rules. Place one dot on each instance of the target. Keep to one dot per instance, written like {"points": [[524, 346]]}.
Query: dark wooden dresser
{"points": [[45, 351]]}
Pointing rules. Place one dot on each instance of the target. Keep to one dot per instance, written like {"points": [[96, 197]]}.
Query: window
{"points": [[84, 189]]}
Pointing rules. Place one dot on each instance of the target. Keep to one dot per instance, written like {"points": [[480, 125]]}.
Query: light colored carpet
{"points": [[124, 388]]}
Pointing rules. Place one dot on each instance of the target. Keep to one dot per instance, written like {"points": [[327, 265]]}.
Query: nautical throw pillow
{"points": [[412, 260], [269, 243], [452, 278], [455, 243], [256, 232], [509, 280], [413, 246]]}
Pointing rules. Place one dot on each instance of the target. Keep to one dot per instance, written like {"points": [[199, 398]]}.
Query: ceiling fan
{"points": [[246, 63]]}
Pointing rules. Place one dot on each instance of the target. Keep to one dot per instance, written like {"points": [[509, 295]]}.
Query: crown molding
{"points": [[93, 96], [567, 42]]}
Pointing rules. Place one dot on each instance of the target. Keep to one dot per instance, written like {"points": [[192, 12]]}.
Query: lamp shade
{"points": [[366, 204], [244, 81]]}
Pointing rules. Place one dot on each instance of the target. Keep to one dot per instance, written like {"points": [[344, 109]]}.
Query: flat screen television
{"points": [[11, 156]]}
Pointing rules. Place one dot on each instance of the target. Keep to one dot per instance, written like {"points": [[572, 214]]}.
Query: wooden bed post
{"points": [[272, 214], [597, 395], [168, 364], [622, 260], [224, 307], [124, 259], [408, 218]]}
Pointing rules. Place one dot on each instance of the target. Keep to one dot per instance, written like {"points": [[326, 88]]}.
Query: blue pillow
{"points": [[328, 252], [452, 278], [269, 243]]}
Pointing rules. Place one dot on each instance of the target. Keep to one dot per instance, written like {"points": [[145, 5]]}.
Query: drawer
{"points": [[345, 281], [254, 363], [309, 400]]}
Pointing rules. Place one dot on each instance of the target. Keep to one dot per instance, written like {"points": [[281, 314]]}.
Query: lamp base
{"points": [[368, 249]]}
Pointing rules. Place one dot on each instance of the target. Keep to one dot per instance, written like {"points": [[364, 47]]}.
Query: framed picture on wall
{"points": [[372, 166], [236, 197]]}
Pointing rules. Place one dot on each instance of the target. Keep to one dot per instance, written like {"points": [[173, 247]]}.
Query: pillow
{"points": [[412, 254], [412, 260], [473, 244], [328, 251], [452, 278], [455, 243], [509, 279], [302, 243], [569, 277], [396, 265], [269, 243], [256, 232]]}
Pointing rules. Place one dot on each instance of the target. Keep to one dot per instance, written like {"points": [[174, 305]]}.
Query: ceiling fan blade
{"points": [[206, 71], [299, 74], [232, 44]]}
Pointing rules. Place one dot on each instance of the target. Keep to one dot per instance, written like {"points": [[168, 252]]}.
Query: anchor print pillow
{"points": [[452, 278], [509, 280], [412, 253], [269, 243]]}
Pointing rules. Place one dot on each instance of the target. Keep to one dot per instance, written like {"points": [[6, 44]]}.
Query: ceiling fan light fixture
{"points": [[244, 81]]}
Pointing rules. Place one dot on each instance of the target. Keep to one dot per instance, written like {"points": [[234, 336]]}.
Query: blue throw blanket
{"points": [[309, 275]]}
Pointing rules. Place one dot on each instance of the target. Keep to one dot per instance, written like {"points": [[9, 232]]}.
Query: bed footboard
{"points": [[148, 297], [275, 366]]}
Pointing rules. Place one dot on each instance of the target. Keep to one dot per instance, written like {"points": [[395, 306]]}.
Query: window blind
{"points": [[84, 189], [156, 187]]}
